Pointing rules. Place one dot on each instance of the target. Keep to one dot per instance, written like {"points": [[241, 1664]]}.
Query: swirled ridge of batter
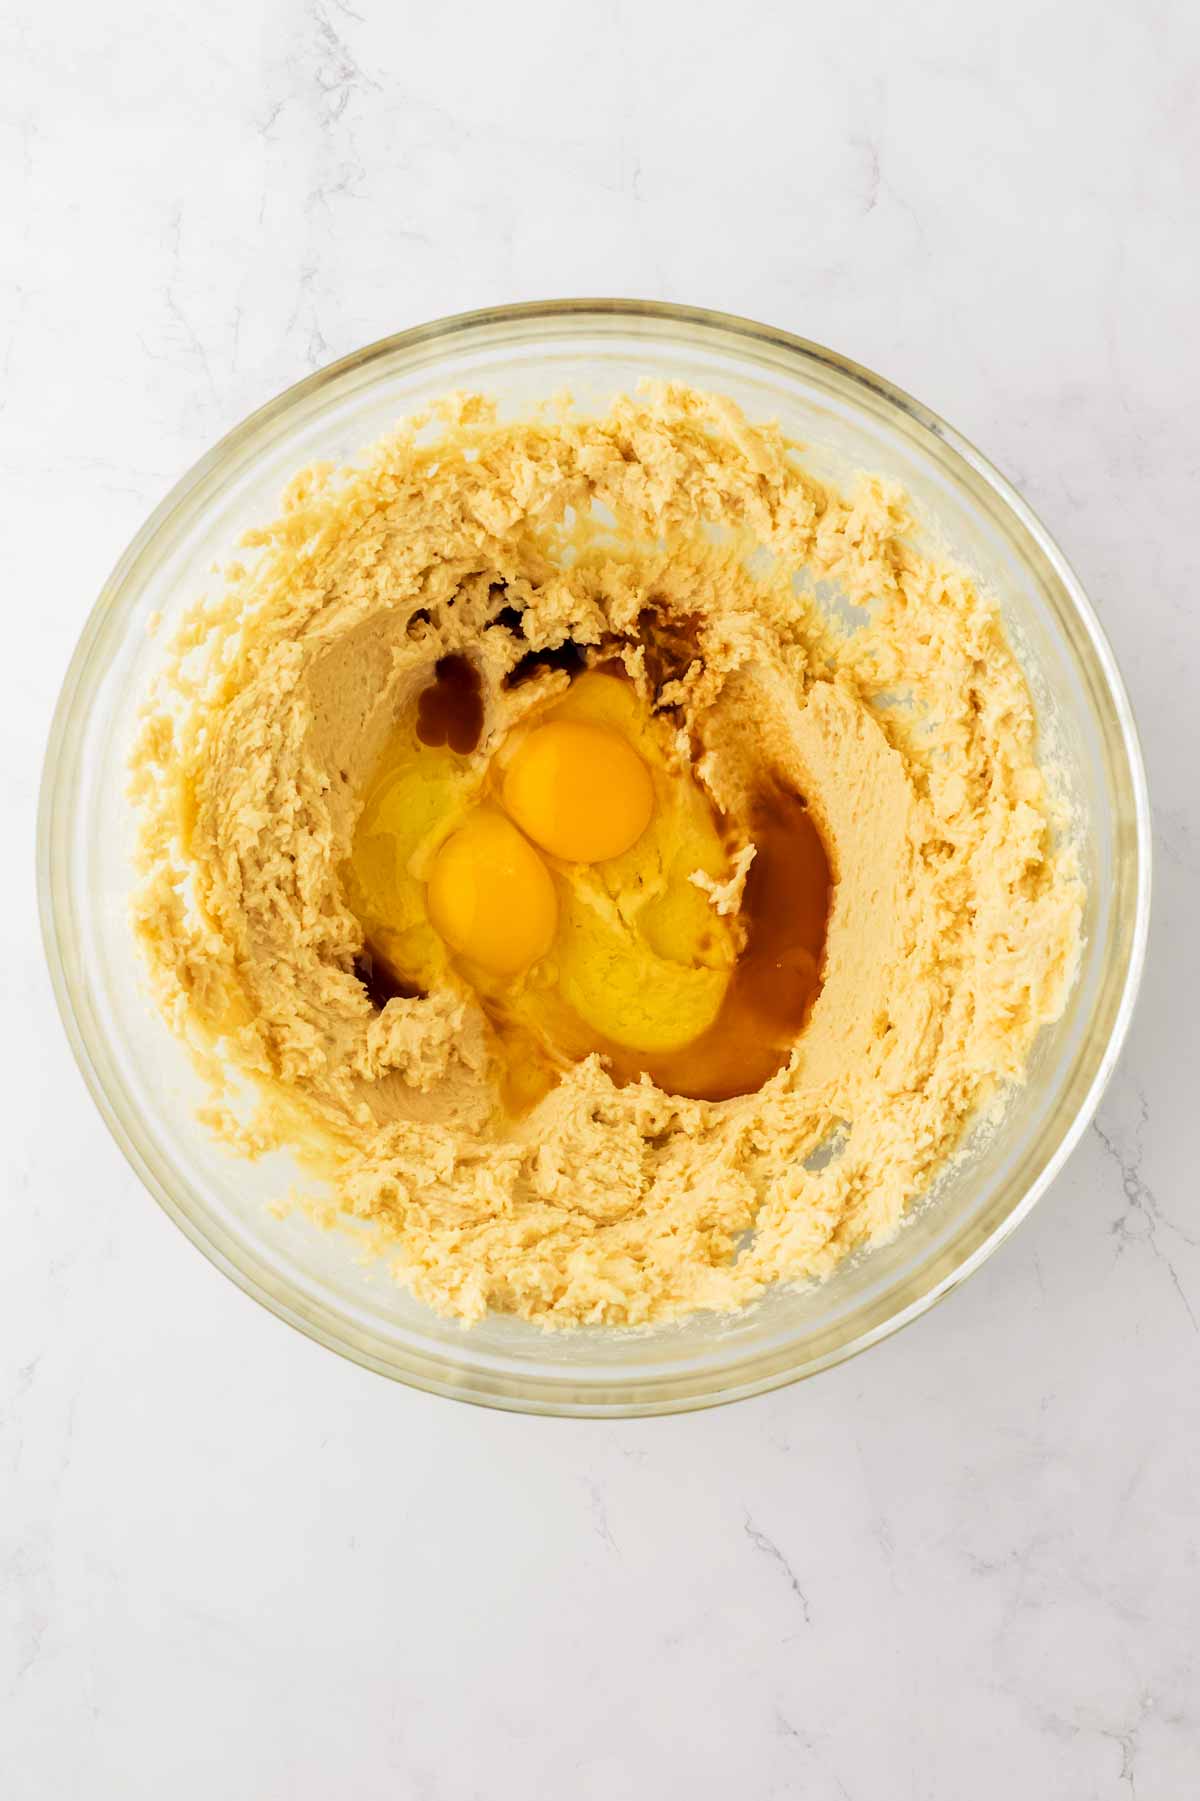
{"points": [[954, 923]]}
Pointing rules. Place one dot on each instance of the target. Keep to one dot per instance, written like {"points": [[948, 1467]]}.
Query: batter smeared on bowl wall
{"points": [[563, 876]]}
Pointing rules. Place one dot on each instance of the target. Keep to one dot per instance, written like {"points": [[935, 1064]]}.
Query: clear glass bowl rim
{"points": [[186, 500]]}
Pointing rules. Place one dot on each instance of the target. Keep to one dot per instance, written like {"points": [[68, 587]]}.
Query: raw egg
{"points": [[564, 878], [491, 897], [579, 790]]}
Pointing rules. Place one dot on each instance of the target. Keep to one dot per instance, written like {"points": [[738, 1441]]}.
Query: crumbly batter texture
{"points": [[955, 915]]}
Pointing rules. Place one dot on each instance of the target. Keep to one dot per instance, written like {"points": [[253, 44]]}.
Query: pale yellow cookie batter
{"points": [[954, 917]]}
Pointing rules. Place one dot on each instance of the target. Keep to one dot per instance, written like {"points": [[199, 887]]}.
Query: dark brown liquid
{"points": [[509, 619], [785, 909], [381, 981], [450, 711]]}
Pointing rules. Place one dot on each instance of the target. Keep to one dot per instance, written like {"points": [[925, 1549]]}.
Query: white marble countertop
{"points": [[963, 1566]]}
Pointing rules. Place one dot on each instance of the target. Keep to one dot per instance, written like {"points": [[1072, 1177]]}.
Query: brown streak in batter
{"points": [[450, 710], [380, 980]]}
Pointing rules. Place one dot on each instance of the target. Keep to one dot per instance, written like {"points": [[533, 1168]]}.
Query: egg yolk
{"points": [[491, 897], [579, 790]]}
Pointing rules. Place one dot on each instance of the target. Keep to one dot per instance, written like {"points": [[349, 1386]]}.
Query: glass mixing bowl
{"points": [[140, 1077]]}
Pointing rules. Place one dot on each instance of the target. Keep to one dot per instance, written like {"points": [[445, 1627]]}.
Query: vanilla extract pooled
{"points": [[450, 710]]}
